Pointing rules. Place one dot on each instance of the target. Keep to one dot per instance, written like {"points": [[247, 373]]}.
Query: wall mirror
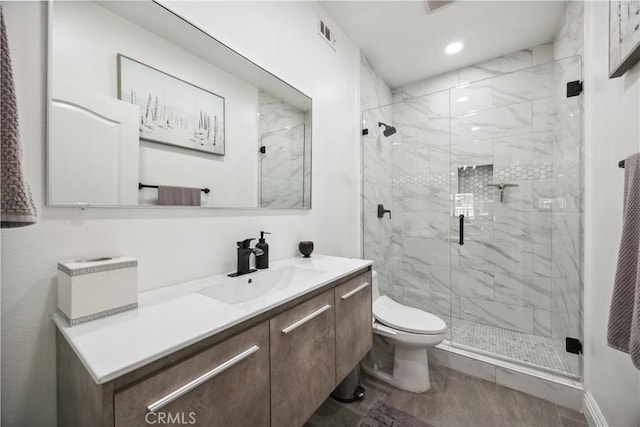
{"points": [[147, 110]]}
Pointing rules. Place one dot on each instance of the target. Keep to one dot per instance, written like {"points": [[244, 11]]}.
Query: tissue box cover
{"points": [[92, 288]]}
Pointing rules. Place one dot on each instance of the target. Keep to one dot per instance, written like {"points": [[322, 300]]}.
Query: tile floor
{"points": [[534, 349], [454, 400]]}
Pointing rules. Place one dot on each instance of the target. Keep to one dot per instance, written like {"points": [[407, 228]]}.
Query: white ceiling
{"points": [[405, 43]]}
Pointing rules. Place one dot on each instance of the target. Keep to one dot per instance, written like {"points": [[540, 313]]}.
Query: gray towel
{"points": [[178, 196], [624, 315], [17, 207]]}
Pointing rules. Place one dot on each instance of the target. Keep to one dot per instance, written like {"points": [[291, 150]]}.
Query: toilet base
{"points": [[410, 370]]}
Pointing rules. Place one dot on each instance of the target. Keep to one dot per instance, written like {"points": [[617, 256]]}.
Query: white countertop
{"points": [[174, 317]]}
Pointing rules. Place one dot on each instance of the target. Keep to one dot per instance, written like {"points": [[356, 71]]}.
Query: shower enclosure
{"points": [[484, 185], [284, 156]]}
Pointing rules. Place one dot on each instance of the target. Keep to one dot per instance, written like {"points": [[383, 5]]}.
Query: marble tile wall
{"points": [[306, 195], [422, 202], [567, 252], [375, 96], [519, 268], [504, 274], [484, 70], [566, 218], [284, 170], [281, 178], [569, 39], [500, 277]]}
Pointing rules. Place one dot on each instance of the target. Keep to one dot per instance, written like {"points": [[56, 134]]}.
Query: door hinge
{"points": [[574, 88], [365, 132], [263, 149], [573, 345]]}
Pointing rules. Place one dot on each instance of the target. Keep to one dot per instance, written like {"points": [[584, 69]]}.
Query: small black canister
{"points": [[306, 248]]}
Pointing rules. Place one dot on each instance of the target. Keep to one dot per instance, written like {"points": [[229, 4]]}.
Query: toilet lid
{"points": [[407, 319]]}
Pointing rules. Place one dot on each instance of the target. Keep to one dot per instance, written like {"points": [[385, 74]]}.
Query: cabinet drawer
{"points": [[302, 360], [353, 323], [226, 385]]}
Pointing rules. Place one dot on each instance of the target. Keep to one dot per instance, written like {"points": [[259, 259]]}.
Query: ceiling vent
{"points": [[435, 5], [326, 33]]}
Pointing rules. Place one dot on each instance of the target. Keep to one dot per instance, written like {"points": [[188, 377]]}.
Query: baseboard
{"points": [[592, 411]]}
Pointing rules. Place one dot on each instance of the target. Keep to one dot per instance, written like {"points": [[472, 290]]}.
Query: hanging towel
{"points": [[17, 207], [624, 316], [178, 196]]}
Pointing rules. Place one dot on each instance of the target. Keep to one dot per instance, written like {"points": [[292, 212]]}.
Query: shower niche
{"points": [[474, 185], [476, 180]]}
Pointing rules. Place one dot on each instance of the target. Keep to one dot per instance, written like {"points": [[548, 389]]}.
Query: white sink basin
{"points": [[243, 289]]}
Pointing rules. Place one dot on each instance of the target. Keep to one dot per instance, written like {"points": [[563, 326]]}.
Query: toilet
{"points": [[405, 332]]}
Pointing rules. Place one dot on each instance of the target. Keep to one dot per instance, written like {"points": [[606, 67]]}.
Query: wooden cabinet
{"points": [[354, 333], [274, 369], [226, 385], [302, 360]]}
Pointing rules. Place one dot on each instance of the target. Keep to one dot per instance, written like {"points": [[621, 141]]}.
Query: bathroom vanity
{"points": [[262, 349]]}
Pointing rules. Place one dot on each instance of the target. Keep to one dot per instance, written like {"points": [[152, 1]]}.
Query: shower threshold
{"points": [[554, 387]]}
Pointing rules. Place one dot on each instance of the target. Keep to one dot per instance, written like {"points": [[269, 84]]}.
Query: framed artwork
{"points": [[624, 36], [172, 111]]}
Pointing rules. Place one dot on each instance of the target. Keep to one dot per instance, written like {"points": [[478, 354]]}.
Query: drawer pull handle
{"points": [[201, 379], [305, 319], [354, 291]]}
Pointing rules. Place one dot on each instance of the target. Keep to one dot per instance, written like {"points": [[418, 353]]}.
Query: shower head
{"points": [[388, 130]]}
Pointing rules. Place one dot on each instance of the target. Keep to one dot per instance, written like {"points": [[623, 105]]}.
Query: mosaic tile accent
{"points": [[525, 172], [375, 177], [474, 180], [534, 349], [425, 180]]}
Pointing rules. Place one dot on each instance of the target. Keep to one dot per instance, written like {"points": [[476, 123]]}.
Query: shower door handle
{"points": [[461, 241], [382, 211]]}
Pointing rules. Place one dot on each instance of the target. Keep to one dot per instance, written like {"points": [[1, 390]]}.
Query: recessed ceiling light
{"points": [[475, 128], [462, 99], [454, 47]]}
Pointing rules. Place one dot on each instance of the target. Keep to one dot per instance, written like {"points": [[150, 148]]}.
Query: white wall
{"points": [[612, 132], [86, 41], [172, 245]]}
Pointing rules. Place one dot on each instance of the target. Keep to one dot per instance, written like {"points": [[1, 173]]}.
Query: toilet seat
{"points": [[407, 319]]}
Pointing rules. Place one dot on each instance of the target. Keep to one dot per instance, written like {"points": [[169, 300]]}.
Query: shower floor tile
{"points": [[529, 348]]}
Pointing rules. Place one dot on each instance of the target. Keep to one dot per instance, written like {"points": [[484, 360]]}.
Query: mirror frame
{"points": [[249, 62]]}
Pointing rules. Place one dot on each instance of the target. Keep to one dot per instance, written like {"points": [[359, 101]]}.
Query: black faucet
{"points": [[244, 255]]}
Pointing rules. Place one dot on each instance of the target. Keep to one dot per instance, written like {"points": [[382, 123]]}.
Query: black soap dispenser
{"points": [[262, 261]]}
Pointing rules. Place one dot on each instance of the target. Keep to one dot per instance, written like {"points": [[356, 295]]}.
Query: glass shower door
{"points": [[283, 168], [407, 172], [515, 216], [376, 190], [421, 202]]}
